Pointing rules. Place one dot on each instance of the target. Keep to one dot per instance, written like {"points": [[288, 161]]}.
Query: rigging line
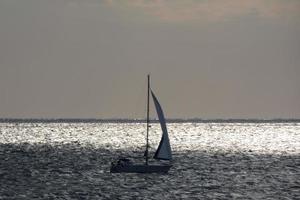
{"points": [[148, 94]]}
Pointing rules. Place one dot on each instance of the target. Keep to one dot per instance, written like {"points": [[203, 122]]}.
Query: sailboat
{"points": [[163, 152]]}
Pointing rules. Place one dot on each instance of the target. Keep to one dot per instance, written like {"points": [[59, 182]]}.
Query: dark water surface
{"points": [[73, 171], [211, 161]]}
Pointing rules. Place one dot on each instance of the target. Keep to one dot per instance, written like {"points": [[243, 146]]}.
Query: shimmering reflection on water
{"points": [[217, 161]]}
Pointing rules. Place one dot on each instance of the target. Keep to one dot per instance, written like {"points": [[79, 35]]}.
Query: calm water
{"points": [[211, 161]]}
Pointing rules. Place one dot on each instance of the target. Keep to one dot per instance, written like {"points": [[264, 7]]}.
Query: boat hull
{"points": [[140, 168]]}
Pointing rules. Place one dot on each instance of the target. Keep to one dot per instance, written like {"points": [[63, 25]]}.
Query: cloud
{"points": [[211, 10]]}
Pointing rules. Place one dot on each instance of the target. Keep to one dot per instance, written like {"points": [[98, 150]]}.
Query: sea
{"points": [[211, 160]]}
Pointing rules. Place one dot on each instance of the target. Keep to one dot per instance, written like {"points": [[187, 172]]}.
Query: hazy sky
{"points": [[207, 58]]}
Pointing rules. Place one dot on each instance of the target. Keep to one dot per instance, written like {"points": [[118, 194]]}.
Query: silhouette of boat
{"points": [[163, 152]]}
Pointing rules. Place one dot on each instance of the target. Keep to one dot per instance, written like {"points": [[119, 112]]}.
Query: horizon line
{"points": [[153, 120]]}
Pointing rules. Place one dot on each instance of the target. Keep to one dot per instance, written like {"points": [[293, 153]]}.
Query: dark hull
{"points": [[140, 168]]}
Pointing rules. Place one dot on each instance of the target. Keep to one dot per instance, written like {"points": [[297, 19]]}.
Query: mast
{"points": [[147, 141]]}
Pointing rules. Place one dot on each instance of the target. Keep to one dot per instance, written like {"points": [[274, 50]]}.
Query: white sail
{"points": [[163, 151]]}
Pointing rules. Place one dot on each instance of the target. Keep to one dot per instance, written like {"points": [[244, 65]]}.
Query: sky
{"points": [[207, 58]]}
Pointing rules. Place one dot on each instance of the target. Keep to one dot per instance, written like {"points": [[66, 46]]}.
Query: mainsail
{"points": [[163, 151]]}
